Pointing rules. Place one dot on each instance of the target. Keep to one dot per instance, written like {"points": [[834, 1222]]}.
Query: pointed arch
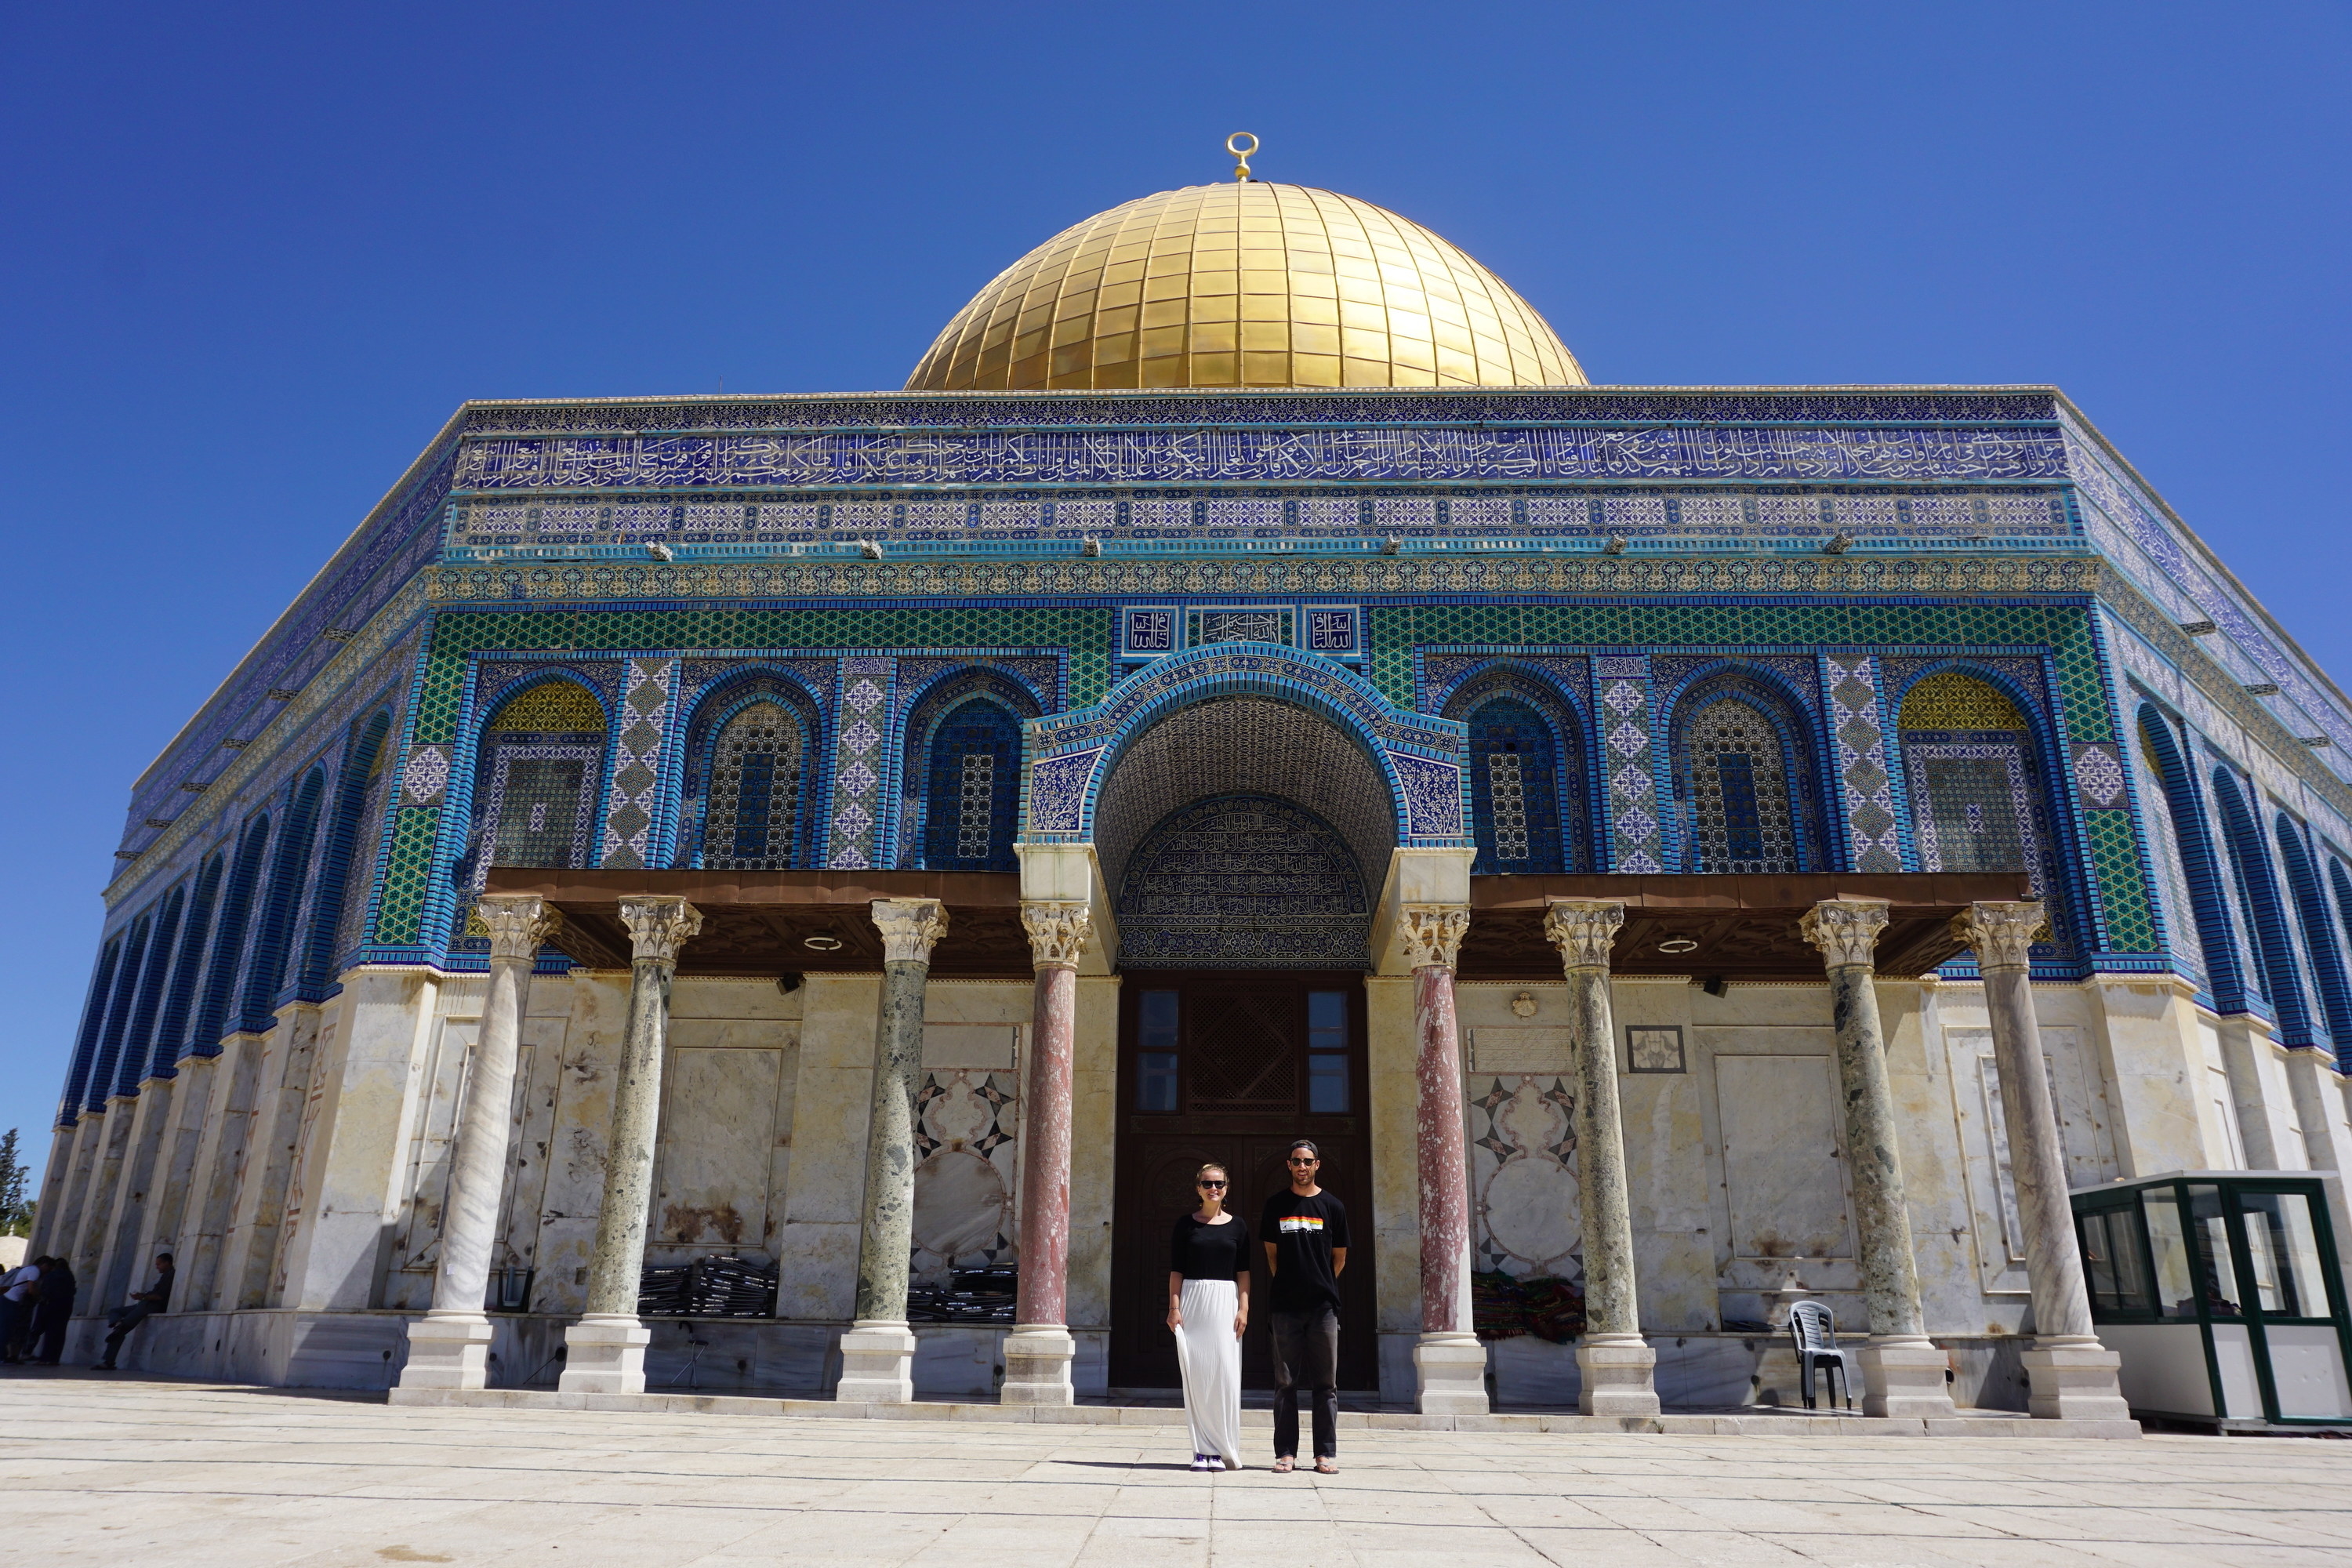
{"points": [[2249, 869], [118, 1016], [751, 775], [961, 795], [359, 804], [273, 940], [170, 1030], [2339, 882], [2318, 932], [1978, 783], [139, 1041], [93, 1022], [228, 938], [2216, 941], [538, 777], [972, 771], [1746, 785], [1529, 809]]}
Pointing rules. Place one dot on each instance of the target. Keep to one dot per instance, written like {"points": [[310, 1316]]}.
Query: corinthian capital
{"points": [[910, 927], [1057, 932], [1432, 933], [1846, 930], [519, 923], [659, 924], [1584, 930], [2003, 934]]}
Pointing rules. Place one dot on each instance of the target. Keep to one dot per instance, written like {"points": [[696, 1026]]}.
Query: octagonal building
{"points": [[779, 894]]}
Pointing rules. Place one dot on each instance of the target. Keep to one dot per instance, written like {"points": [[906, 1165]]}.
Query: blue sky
{"points": [[252, 257]]}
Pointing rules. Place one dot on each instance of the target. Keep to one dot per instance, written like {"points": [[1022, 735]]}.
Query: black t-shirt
{"points": [[1304, 1231], [1200, 1251]]}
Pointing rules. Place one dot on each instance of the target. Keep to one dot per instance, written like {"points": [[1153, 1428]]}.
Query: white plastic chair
{"points": [[1812, 1330]]}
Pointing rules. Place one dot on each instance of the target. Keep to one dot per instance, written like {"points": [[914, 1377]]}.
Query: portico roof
{"points": [[1740, 927]]}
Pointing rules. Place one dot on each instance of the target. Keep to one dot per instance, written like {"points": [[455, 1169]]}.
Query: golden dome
{"points": [[1245, 285]]}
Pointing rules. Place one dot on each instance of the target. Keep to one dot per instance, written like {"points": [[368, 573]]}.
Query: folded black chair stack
{"points": [[722, 1287], [973, 1296]]}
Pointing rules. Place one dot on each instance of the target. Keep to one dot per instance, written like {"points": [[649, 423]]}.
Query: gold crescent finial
{"points": [[1241, 154]]}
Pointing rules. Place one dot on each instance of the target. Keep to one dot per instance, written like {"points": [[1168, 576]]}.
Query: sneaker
{"points": [[1200, 1462]]}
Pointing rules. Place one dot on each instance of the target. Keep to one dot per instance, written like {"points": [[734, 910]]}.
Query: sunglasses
{"points": [[1213, 1186], [1303, 1160]]}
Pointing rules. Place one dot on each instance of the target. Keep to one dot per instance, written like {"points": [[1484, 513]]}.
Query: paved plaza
{"points": [[146, 1472]]}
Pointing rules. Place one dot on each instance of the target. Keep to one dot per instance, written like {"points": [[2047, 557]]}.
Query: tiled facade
{"points": [[1100, 565]]}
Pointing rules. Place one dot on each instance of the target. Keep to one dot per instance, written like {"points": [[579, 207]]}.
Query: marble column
{"points": [[606, 1350], [877, 1353], [1450, 1362], [1619, 1369], [1039, 1349], [1902, 1370], [2070, 1376], [450, 1347]]}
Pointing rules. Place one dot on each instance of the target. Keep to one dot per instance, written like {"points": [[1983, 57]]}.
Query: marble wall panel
{"points": [[1783, 1164], [2145, 1036], [717, 1128], [816, 1248], [1672, 1170], [572, 1089], [353, 1173], [967, 1127], [1943, 1230]]}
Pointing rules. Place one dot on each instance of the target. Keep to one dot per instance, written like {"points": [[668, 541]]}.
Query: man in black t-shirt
{"points": [[1305, 1235]]}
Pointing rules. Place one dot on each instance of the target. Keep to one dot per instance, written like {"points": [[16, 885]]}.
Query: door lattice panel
{"points": [[1242, 1054]]}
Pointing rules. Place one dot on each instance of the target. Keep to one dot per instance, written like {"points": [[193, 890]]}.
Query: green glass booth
{"points": [[2221, 1292]]}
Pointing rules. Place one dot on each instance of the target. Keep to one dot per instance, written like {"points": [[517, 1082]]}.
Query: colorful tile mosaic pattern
{"points": [[857, 790], [1621, 695], [1866, 776], [635, 803]]}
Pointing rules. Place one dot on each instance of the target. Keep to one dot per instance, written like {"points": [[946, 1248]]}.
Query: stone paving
{"points": [[148, 1472]]}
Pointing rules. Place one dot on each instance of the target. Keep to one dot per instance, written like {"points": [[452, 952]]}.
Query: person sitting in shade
{"points": [[143, 1305]]}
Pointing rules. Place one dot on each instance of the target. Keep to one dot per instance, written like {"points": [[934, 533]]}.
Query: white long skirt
{"points": [[1210, 1357]]}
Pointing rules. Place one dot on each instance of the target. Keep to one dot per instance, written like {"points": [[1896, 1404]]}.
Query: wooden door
{"points": [[1229, 1067]]}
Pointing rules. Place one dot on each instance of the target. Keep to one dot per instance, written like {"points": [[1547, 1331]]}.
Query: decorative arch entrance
{"points": [[1242, 837]]}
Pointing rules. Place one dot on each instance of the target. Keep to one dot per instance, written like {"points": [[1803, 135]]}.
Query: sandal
{"points": [[1284, 1466], [1324, 1466]]}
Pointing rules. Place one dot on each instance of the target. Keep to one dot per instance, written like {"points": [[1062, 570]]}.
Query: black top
{"points": [[1199, 1251], [1304, 1231]]}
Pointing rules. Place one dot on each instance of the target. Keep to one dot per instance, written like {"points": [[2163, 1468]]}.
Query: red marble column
{"points": [[1039, 1351], [1045, 1148], [1451, 1362]]}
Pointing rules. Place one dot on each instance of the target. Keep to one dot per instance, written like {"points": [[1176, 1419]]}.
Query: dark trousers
{"points": [[16, 1321], [121, 1321], [48, 1337], [1306, 1350]]}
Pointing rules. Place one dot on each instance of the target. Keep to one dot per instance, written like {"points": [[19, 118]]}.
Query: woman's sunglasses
{"points": [[1213, 1186]]}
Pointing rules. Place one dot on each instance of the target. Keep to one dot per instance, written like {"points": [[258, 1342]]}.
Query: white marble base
{"points": [[1904, 1377], [2074, 1383], [1451, 1373], [1620, 1376], [878, 1364], [448, 1353], [1037, 1358], [604, 1355]]}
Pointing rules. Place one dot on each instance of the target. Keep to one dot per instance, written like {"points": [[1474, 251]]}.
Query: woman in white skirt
{"points": [[1208, 1306]]}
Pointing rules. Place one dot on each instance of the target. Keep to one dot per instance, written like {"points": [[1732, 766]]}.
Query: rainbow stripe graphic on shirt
{"points": [[1291, 1222]]}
